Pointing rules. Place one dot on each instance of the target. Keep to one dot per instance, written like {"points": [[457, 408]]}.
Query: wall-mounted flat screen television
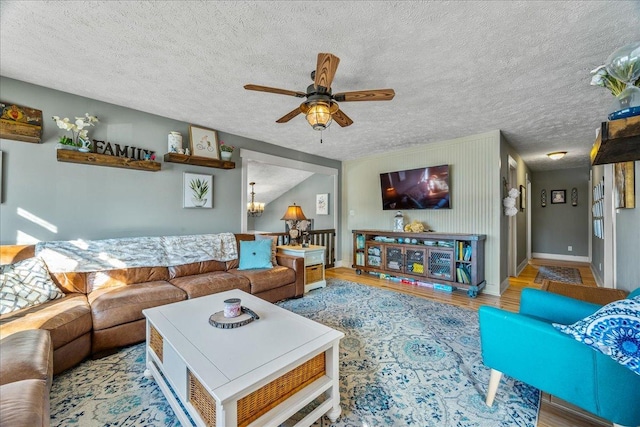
{"points": [[422, 188]]}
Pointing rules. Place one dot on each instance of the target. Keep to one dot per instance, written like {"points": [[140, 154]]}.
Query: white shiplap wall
{"points": [[475, 194]]}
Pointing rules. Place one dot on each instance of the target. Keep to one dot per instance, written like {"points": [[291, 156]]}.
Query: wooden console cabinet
{"points": [[432, 258]]}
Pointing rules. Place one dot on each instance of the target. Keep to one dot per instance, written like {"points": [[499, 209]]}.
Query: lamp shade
{"points": [[319, 116], [294, 213]]}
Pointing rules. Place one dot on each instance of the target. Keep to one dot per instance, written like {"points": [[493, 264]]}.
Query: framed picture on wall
{"points": [[523, 197], [558, 196], [203, 142], [322, 204], [198, 191]]}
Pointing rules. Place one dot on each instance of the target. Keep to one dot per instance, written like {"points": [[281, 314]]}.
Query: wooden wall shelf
{"points": [[96, 159], [618, 141], [198, 161]]}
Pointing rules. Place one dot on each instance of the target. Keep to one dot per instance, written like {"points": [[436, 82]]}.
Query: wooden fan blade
{"points": [[341, 118], [325, 70], [289, 116], [365, 95], [275, 90]]}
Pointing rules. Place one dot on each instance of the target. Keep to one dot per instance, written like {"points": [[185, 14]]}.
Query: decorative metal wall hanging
{"points": [[574, 196], [543, 198]]}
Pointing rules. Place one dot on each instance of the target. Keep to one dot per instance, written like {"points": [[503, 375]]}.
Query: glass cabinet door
{"points": [[441, 263], [374, 255], [394, 256], [416, 262]]}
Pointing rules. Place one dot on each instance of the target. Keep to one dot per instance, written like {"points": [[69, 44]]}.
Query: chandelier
{"points": [[254, 208]]}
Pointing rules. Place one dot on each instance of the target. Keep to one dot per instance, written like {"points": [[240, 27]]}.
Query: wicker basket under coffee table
{"points": [[259, 374]]}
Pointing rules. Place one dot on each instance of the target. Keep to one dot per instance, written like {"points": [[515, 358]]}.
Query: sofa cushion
{"points": [[211, 283], [125, 276], [66, 319], [613, 330], [24, 404], [274, 244], [196, 268], [26, 355], [123, 304], [255, 254], [266, 279], [26, 283]]}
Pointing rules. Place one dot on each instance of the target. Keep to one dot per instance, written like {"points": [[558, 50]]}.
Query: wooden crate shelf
{"points": [[618, 141], [96, 159], [198, 161]]}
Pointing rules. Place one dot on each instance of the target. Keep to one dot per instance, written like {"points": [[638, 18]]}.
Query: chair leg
{"points": [[494, 381]]}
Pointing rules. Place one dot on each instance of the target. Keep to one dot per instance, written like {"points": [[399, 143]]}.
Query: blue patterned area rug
{"points": [[558, 274], [404, 361]]}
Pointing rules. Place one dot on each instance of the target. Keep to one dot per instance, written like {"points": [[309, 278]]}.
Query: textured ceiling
{"points": [[272, 181], [458, 68]]}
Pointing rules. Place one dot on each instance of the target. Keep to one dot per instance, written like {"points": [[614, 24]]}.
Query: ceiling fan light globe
{"points": [[319, 116]]}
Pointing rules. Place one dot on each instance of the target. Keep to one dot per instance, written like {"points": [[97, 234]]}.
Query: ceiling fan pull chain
{"points": [[320, 137]]}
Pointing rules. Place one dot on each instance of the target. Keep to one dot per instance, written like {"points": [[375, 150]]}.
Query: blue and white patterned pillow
{"points": [[613, 330], [25, 284]]}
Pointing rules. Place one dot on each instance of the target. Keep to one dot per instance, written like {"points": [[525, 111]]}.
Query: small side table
{"points": [[313, 264]]}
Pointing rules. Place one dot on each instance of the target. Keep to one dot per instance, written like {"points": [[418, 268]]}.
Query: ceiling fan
{"points": [[321, 106]]}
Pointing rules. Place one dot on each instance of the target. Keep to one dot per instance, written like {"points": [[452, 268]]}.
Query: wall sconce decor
{"points": [[543, 198], [574, 196]]}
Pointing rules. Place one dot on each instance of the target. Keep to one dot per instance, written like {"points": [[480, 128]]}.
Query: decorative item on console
{"points": [[398, 222], [415, 227], [621, 75], [509, 202], [79, 135]]}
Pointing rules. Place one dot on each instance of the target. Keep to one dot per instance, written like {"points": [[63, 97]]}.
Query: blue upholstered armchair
{"points": [[527, 347]]}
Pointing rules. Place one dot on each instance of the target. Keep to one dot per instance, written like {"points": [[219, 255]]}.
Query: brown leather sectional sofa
{"points": [[102, 311]]}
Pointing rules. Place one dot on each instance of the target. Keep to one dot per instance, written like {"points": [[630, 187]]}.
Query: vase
{"points": [[624, 65], [226, 155]]}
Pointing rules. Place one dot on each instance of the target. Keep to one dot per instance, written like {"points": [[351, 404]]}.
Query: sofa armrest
{"points": [[555, 308], [296, 264]]}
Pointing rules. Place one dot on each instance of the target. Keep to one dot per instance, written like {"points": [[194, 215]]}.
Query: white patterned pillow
{"points": [[25, 284], [613, 330]]}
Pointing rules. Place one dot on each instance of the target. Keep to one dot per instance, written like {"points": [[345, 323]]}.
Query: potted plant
{"points": [[226, 151]]}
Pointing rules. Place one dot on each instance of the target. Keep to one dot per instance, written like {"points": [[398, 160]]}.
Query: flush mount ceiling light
{"points": [[557, 155]]}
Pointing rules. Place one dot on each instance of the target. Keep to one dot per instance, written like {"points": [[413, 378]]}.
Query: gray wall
{"points": [[628, 241], [44, 199], [557, 226], [303, 195]]}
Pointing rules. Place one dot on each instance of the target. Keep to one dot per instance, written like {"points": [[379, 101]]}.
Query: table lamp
{"points": [[292, 216]]}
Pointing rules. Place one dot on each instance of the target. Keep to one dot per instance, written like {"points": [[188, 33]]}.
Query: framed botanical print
{"points": [[198, 191], [322, 204], [203, 142]]}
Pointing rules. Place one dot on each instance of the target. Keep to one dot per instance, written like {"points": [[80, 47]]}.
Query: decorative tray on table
{"points": [[247, 316]]}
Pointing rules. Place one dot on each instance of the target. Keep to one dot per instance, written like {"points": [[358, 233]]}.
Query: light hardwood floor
{"points": [[551, 414]]}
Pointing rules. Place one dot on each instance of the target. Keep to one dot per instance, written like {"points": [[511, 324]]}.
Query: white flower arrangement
{"points": [[509, 202], [603, 79], [77, 129]]}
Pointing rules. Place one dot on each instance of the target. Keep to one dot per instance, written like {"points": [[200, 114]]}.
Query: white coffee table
{"points": [[257, 375]]}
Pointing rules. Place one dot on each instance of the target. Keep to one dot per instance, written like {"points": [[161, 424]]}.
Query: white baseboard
{"points": [[558, 257], [521, 267], [596, 277], [504, 285], [338, 263]]}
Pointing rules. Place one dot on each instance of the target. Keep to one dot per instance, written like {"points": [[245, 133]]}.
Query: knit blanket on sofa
{"points": [[110, 254]]}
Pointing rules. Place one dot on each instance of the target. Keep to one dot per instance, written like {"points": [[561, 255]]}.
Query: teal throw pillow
{"points": [[255, 254], [613, 330]]}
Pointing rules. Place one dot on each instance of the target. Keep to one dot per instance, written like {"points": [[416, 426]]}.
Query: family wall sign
{"points": [[113, 149]]}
